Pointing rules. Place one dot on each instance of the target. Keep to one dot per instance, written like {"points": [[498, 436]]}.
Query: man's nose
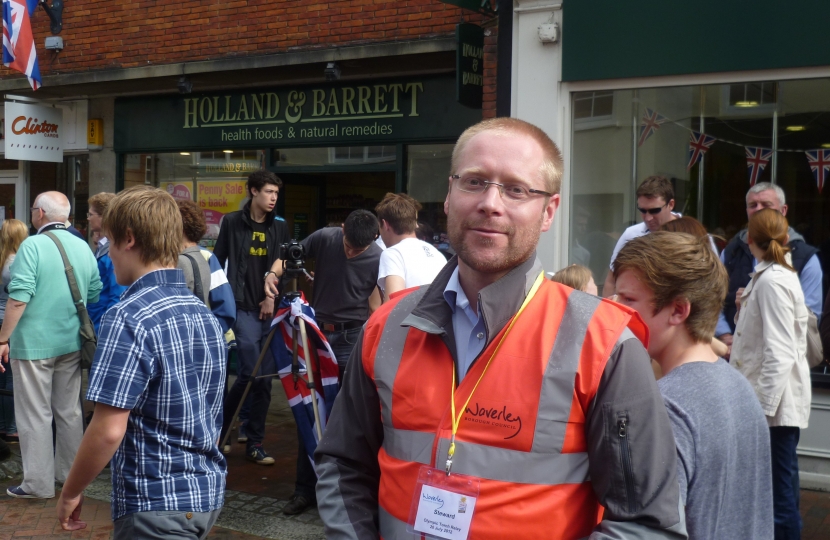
{"points": [[491, 199]]}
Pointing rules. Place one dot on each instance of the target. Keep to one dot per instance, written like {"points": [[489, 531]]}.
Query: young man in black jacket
{"points": [[248, 244]]}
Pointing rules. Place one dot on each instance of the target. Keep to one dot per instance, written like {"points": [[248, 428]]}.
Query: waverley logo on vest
{"points": [[495, 417]]}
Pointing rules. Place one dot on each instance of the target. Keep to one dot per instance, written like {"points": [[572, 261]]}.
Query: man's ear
{"points": [[681, 309], [129, 239], [671, 205]]}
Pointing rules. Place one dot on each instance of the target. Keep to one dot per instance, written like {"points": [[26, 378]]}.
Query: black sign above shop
{"points": [[345, 114], [469, 64]]}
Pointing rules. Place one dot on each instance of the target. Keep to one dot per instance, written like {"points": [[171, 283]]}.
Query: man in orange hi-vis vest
{"points": [[494, 403]]}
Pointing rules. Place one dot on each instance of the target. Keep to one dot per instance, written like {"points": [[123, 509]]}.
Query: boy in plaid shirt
{"points": [[157, 382]]}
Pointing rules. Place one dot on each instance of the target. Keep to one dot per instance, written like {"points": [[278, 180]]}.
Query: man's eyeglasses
{"points": [[509, 192], [652, 211]]}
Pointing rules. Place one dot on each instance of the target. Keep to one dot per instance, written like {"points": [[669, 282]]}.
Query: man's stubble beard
{"points": [[519, 246]]}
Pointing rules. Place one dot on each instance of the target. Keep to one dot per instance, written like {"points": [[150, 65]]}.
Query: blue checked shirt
{"points": [[161, 354]]}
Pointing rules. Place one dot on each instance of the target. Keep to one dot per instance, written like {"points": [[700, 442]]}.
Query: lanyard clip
{"points": [[449, 465], [450, 454]]}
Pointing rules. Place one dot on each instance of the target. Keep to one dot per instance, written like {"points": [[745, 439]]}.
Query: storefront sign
{"points": [[469, 64], [33, 132], [371, 112]]}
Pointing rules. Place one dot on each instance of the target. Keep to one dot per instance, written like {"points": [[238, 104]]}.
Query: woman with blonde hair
{"points": [[576, 277], [770, 349], [12, 234]]}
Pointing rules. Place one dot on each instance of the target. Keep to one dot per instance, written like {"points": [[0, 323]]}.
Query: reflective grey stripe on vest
{"points": [[390, 349], [558, 383], [514, 466], [391, 528], [407, 445]]}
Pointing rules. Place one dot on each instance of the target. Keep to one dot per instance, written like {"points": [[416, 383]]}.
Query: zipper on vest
{"points": [[625, 456]]}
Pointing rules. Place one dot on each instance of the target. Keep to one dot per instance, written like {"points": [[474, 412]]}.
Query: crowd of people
{"points": [[479, 397]]}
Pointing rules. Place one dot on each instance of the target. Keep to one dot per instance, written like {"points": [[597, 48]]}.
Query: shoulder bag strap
{"points": [[70, 277], [198, 290]]}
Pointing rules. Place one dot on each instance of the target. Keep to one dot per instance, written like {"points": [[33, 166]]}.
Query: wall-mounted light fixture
{"points": [[184, 85], [55, 13], [332, 71]]}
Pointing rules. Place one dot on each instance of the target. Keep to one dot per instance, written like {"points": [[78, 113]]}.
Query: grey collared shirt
{"points": [[467, 325]]}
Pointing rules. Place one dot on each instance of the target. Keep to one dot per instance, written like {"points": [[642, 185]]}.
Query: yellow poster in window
{"points": [[217, 198]]}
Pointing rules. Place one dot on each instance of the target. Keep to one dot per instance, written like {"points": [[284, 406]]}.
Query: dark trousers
{"points": [[785, 484], [342, 344], [250, 336]]}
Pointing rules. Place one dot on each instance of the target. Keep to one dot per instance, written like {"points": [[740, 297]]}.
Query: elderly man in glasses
{"points": [[655, 201]]}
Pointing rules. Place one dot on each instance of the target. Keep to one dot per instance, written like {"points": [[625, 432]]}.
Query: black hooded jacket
{"points": [[234, 243]]}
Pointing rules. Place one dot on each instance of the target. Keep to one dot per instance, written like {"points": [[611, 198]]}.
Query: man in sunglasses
{"points": [[655, 201]]}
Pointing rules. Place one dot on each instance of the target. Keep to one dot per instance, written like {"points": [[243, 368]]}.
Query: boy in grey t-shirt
{"points": [[677, 284]]}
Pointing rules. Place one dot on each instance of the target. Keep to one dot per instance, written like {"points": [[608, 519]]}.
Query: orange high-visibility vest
{"points": [[523, 432]]}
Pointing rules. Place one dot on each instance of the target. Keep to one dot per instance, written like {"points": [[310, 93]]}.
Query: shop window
{"points": [[608, 163], [340, 155], [593, 109], [428, 171], [214, 179]]}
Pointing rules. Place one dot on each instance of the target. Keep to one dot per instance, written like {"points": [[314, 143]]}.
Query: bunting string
{"points": [[757, 158]]}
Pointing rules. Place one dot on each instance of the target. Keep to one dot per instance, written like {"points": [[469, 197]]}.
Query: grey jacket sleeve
{"points": [[347, 457], [631, 451]]}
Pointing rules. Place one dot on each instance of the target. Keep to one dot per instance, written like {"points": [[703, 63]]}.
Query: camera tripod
{"points": [[292, 273]]}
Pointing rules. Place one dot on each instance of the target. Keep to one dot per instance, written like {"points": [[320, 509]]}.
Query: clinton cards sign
{"points": [[33, 132]]}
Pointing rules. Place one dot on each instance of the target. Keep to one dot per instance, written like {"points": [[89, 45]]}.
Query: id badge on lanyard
{"points": [[443, 505]]}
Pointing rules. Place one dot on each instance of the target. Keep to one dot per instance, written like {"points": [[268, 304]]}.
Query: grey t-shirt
{"points": [[723, 455], [341, 286]]}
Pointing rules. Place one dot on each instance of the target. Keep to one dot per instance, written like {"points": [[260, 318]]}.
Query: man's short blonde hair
{"points": [[552, 166], [400, 211], [678, 265], [152, 217]]}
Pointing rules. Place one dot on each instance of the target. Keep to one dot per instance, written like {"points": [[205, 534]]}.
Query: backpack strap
{"points": [[198, 290], [70, 277]]}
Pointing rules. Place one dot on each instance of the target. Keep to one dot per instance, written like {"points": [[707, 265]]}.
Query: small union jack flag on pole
{"points": [[819, 164], [756, 160], [19, 51], [698, 145], [651, 123]]}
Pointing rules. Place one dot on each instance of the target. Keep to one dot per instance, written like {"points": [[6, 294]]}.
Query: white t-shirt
{"points": [[416, 261], [638, 230]]}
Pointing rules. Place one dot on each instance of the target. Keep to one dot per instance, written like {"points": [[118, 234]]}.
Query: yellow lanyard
{"points": [[456, 419]]}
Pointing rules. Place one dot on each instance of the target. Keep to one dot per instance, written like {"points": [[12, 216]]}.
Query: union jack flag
{"points": [[698, 145], [19, 51], [819, 164], [756, 160], [326, 372], [651, 123]]}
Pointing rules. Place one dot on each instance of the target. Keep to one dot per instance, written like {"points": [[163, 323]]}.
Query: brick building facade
{"points": [[123, 62]]}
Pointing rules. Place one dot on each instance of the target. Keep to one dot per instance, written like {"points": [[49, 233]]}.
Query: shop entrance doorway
{"points": [[311, 201]]}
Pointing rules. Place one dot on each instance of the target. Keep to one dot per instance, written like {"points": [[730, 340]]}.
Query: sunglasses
{"points": [[652, 211]]}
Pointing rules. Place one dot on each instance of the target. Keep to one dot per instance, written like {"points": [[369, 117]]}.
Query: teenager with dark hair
{"points": [[248, 244]]}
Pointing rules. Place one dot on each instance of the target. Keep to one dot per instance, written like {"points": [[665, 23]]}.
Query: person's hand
{"points": [[738, 294], [69, 512], [726, 338], [266, 309], [271, 285], [310, 279], [4, 356]]}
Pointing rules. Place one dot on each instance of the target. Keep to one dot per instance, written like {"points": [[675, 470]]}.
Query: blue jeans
{"points": [[342, 343], [785, 485], [250, 337]]}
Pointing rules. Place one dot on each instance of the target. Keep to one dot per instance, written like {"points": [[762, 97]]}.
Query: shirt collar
{"points": [[454, 294], [166, 277], [103, 241]]}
